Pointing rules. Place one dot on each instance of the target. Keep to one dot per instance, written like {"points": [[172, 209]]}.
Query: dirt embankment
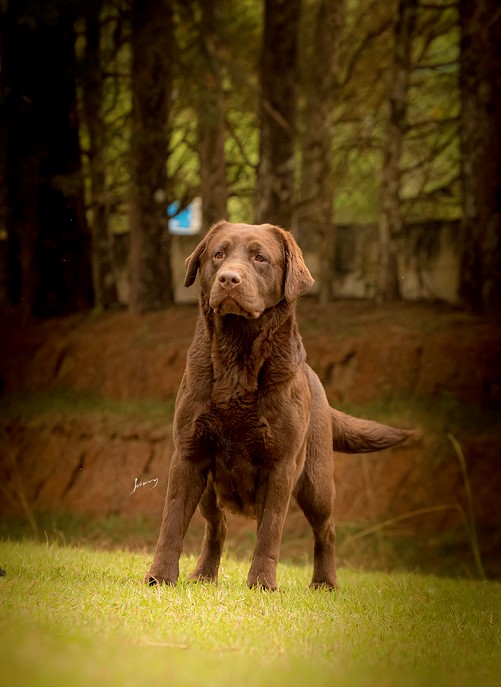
{"points": [[361, 353], [437, 369]]}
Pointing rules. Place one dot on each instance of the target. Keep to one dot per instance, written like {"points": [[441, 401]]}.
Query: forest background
{"points": [[304, 113], [371, 130]]}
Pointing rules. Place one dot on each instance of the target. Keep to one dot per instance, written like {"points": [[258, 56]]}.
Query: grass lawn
{"points": [[73, 616]]}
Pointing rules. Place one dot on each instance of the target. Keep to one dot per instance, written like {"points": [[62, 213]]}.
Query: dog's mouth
{"points": [[228, 305]]}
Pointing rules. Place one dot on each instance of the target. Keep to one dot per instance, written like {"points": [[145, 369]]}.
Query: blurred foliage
{"points": [[431, 156]]}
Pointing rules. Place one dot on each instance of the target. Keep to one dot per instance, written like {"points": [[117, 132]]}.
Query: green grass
{"points": [[60, 404], [390, 548], [73, 616], [430, 412], [435, 415]]}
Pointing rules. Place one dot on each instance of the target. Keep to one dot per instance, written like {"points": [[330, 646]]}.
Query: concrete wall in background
{"points": [[429, 264]]}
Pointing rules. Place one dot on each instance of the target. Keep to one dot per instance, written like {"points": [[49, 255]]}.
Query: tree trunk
{"points": [[275, 185], [19, 163], [317, 187], [45, 213], [390, 216], [211, 122], [149, 258], [102, 264], [480, 83]]}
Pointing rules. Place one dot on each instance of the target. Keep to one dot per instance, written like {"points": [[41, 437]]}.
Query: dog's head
{"points": [[246, 269]]}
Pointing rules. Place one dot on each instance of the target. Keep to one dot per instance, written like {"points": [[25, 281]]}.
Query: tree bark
{"points": [[103, 274], [390, 216], [45, 213], [275, 186], [19, 164], [480, 84], [317, 186], [211, 122], [149, 258]]}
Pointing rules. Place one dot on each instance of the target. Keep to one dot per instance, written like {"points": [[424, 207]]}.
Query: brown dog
{"points": [[252, 424]]}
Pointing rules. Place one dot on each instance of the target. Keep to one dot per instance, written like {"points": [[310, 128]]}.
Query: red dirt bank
{"points": [[421, 359]]}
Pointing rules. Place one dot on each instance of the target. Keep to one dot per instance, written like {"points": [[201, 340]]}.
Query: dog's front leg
{"points": [[273, 497], [186, 485]]}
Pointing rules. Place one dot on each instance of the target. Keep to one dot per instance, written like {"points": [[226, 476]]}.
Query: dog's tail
{"points": [[355, 435]]}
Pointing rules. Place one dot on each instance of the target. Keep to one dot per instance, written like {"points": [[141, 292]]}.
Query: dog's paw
{"points": [[264, 587], [202, 576], [262, 581], [327, 585], [153, 579]]}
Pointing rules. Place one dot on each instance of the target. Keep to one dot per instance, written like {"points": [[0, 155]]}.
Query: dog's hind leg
{"points": [[215, 534], [316, 499]]}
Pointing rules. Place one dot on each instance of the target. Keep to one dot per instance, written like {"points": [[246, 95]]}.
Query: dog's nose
{"points": [[229, 279]]}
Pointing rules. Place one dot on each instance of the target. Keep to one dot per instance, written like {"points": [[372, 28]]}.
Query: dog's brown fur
{"points": [[253, 425]]}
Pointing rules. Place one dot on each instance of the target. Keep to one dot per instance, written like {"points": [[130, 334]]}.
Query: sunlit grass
{"points": [[73, 616]]}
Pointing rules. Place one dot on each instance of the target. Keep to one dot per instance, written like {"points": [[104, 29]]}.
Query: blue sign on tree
{"points": [[187, 221]]}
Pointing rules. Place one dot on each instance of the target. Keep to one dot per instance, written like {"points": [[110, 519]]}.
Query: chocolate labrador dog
{"points": [[253, 426]]}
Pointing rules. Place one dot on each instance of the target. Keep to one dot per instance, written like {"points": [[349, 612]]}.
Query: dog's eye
{"points": [[259, 258], [219, 255]]}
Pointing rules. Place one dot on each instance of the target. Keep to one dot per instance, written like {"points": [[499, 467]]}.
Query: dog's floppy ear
{"points": [[297, 276], [192, 262]]}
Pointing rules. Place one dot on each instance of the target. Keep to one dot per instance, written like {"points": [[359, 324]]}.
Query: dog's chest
{"points": [[241, 457]]}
